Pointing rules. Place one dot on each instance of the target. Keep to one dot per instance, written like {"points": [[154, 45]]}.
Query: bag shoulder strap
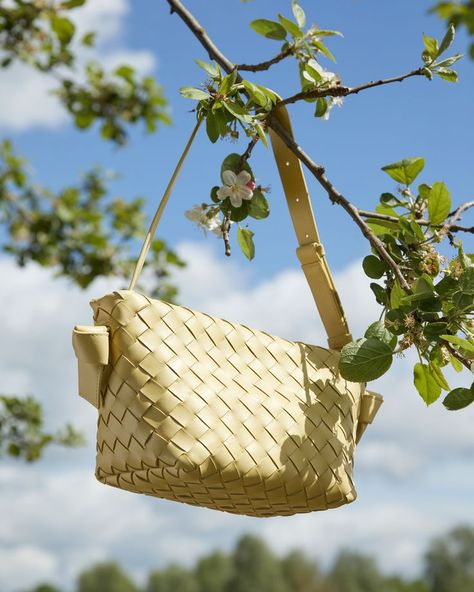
{"points": [[310, 252]]}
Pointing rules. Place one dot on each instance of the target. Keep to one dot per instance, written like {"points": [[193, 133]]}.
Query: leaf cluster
{"points": [[22, 433], [42, 34], [436, 315], [80, 230]]}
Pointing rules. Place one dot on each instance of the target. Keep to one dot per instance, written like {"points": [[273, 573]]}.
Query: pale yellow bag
{"points": [[197, 409]]}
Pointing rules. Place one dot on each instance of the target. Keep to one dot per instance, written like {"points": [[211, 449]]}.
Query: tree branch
{"points": [[317, 170], [344, 91], [452, 227], [269, 63]]}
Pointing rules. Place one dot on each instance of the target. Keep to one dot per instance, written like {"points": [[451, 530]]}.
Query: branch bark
{"points": [[269, 63], [452, 227], [344, 91]]}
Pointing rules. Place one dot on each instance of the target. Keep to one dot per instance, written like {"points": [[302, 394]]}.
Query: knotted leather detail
{"points": [[91, 346], [369, 405]]}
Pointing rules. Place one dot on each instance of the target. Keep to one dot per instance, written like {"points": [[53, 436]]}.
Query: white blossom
{"points": [[200, 215], [235, 187], [333, 102]]}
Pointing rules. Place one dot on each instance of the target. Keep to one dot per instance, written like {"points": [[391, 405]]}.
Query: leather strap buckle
{"points": [[310, 254]]}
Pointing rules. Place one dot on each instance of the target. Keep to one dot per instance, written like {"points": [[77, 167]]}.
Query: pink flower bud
{"points": [[251, 185]]}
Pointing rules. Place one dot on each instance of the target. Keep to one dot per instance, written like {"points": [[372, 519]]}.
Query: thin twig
{"points": [[452, 227], [225, 235], [248, 152], [344, 91], [269, 63]]}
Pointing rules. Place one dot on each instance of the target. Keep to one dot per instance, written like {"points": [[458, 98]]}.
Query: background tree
{"points": [[450, 562], [214, 572], [105, 577], [171, 579], [300, 574], [353, 572], [256, 569]]}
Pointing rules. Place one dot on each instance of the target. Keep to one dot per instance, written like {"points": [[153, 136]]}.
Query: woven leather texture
{"points": [[197, 409]]}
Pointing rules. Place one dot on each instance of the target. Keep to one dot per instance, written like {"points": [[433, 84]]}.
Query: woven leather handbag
{"points": [[198, 409]]}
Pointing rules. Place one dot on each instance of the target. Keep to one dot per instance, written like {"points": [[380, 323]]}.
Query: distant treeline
{"points": [[448, 566]]}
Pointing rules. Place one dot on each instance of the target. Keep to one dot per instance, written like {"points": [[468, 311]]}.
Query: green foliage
{"points": [[300, 574], [79, 231], [115, 100], [171, 579], [42, 35], [433, 50], [449, 562], [253, 567], [256, 568], [353, 572], [459, 14], [213, 572], [433, 312], [22, 433], [105, 577]]}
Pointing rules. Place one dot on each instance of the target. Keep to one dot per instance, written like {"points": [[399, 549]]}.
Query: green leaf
{"points": [[269, 29], [466, 281], [380, 293], [190, 92], [456, 364], [447, 39], [238, 111], [88, 39], [396, 295], [125, 72], [212, 127], [290, 26], [431, 45], [68, 4], [64, 28], [439, 203], [379, 331], [405, 171], [448, 61], [321, 107], [428, 73], [323, 49], [462, 343], [438, 375], [245, 240], [447, 74], [211, 69], [365, 359], [299, 14], [424, 191], [374, 268], [258, 206], [233, 162], [227, 82], [256, 94], [458, 399], [425, 383]]}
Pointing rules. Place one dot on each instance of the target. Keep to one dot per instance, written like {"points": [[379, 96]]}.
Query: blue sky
{"points": [[415, 467]]}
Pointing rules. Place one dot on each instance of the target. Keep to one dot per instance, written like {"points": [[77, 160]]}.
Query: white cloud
{"points": [[56, 519], [26, 100]]}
